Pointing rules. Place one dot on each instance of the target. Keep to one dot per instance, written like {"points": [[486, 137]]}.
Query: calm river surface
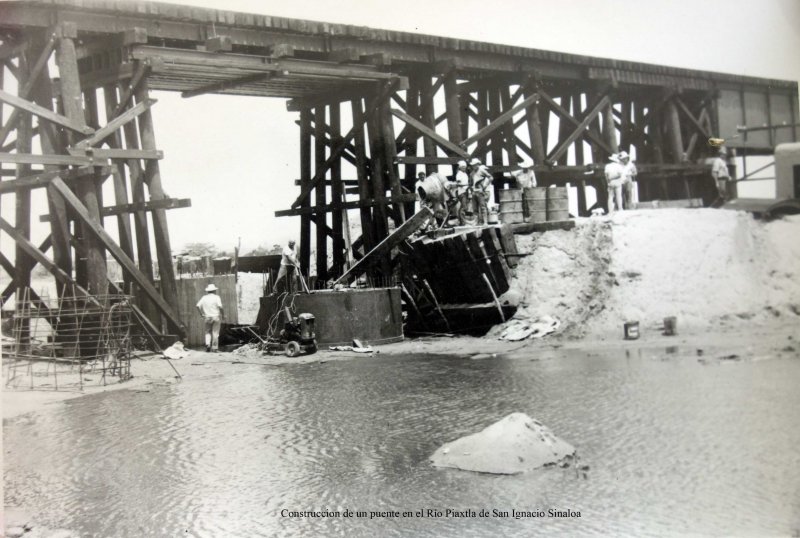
{"points": [[674, 445]]}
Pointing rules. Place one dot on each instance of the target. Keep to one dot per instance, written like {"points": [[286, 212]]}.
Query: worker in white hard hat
{"points": [[481, 181], [525, 177], [210, 308], [721, 175], [628, 177]]}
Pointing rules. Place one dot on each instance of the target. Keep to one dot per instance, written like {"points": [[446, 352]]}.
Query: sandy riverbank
{"points": [[756, 342]]}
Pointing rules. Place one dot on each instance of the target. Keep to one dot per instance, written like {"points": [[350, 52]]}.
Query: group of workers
{"points": [[620, 174]]}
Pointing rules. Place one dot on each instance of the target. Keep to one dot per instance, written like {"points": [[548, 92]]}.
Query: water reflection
{"points": [[674, 446]]}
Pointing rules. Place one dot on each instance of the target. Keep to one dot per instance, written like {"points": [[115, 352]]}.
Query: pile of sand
{"points": [[515, 444], [707, 267]]}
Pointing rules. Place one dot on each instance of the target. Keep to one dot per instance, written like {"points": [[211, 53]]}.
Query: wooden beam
{"points": [[123, 259], [117, 153], [384, 248], [60, 160], [579, 131], [558, 109], [694, 121], [36, 254], [116, 123], [319, 175], [25, 90], [501, 120], [43, 113], [43, 179], [152, 205], [142, 69], [430, 133], [221, 86], [357, 204]]}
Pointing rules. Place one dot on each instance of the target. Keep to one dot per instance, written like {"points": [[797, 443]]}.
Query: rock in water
{"points": [[513, 445]]}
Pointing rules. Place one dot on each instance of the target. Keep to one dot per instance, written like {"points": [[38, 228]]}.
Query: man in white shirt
{"points": [[288, 265], [525, 177], [210, 307], [719, 171], [628, 177], [614, 179], [481, 181]]}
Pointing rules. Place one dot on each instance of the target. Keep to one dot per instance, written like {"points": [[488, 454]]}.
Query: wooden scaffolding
{"points": [[381, 104]]}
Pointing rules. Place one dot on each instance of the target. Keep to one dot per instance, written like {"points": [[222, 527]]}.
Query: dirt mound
{"points": [[707, 267], [515, 444]]}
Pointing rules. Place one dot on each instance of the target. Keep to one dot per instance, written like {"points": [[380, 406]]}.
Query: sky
{"points": [[237, 157]]}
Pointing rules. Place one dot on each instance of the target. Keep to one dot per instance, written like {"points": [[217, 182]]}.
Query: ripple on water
{"points": [[673, 447]]}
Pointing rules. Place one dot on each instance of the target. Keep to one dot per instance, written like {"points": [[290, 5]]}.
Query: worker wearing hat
{"points": [[721, 175], [628, 177], [481, 181], [525, 177], [288, 266], [210, 308], [614, 172]]}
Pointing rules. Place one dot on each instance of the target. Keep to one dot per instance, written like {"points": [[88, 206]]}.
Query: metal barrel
{"points": [[535, 204], [511, 206], [557, 203]]}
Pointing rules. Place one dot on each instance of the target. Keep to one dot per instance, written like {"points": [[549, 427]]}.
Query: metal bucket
{"points": [[557, 203], [511, 206], [670, 326], [631, 329], [535, 204]]}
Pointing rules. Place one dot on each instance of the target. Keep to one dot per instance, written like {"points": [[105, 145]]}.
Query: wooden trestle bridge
{"points": [[406, 101]]}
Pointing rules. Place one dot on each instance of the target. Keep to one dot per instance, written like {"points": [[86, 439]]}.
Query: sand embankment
{"points": [[712, 269]]}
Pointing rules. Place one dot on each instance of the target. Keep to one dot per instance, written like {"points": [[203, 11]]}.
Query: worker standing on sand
{"points": [[719, 171], [525, 177], [614, 178], [481, 181], [628, 177], [210, 307], [288, 265]]}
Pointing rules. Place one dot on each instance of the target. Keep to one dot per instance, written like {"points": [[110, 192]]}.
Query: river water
{"points": [[675, 444]]}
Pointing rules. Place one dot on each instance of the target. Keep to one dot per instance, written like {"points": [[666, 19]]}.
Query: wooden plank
{"points": [[695, 122], [479, 256], [140, 72], [506, 237], [337, 194], [497, 261], [100, 135], [365, 215], [41, 112], [529, 227], [430, 133], [126, 263], [385, 247], [500, 121]]}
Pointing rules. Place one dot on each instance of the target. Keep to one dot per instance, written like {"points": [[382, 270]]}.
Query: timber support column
{"points": [[337, 193], [320, 217], [152, 177], [305, 179], [364, 186], [96, 281]]}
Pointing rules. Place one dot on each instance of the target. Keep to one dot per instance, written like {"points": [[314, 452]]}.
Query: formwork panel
{"points": [[373, 315]]}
